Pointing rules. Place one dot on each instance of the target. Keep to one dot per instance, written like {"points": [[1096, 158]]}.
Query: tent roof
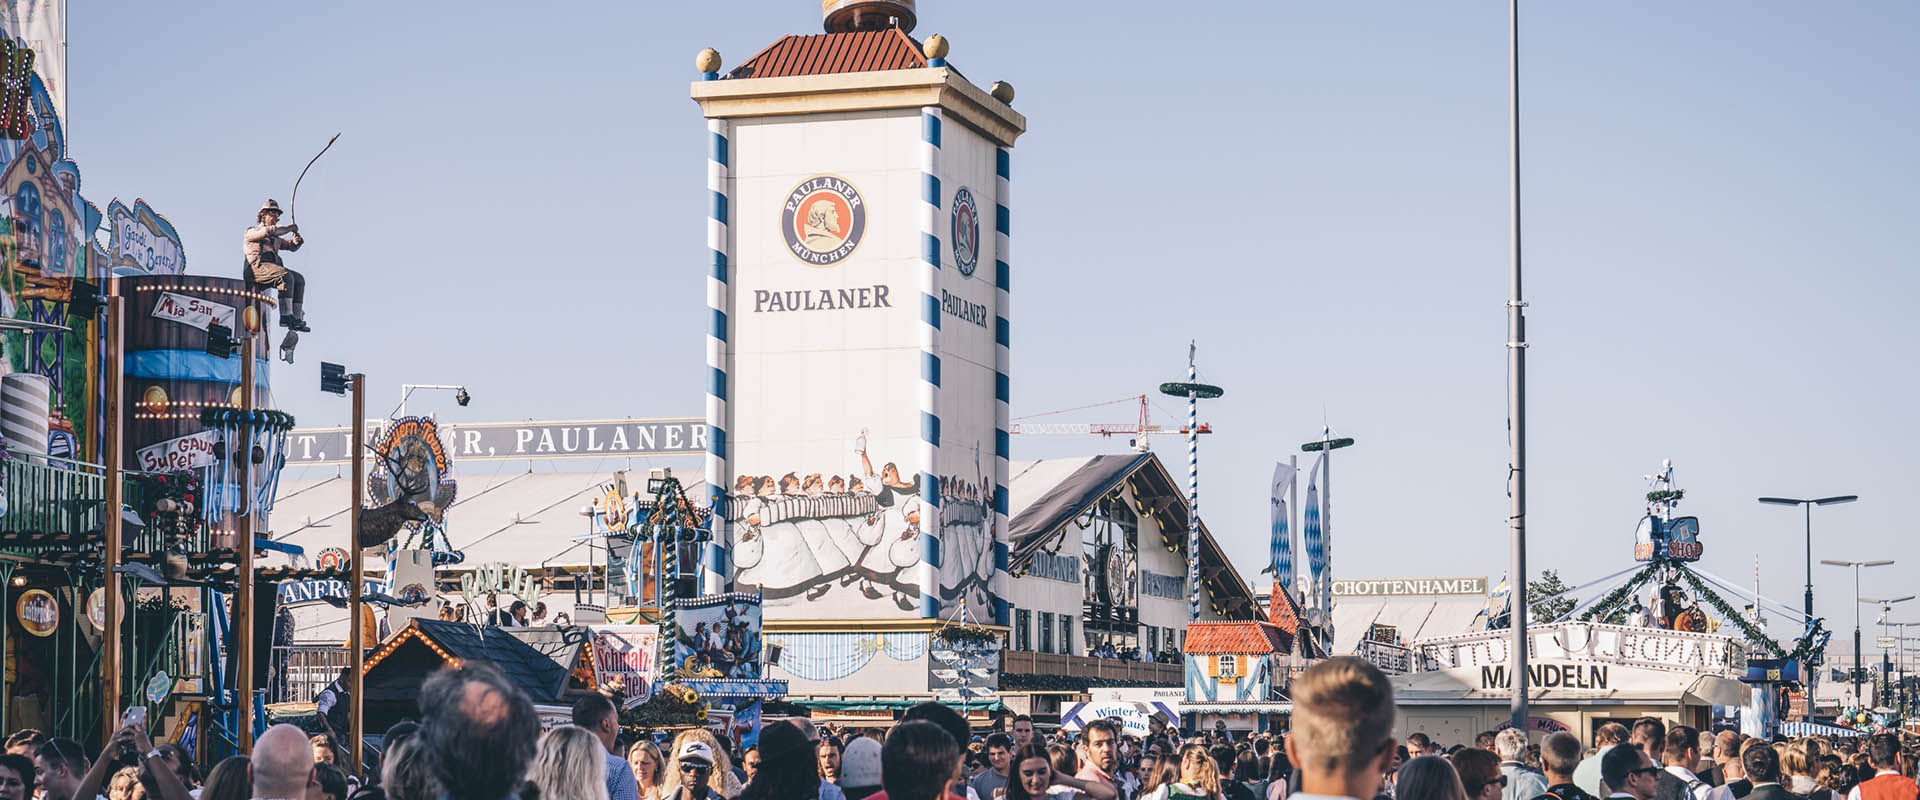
{"points": [[1416, 617], [538, 660]]}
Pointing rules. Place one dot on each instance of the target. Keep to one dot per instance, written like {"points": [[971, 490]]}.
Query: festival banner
{"points": [[627, 657], [1282, 543], [1315, 540]]}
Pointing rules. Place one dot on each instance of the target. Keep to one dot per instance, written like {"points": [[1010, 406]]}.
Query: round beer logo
{"points": [[823, 220], [331, 558], [966, 232], [97, 609], [38, 612]]}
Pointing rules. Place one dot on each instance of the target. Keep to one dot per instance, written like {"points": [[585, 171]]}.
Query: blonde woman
{"points": [[1799, 768], [569, 765], [648, 768], [721, 780], [1199, 778], [123, 784]]}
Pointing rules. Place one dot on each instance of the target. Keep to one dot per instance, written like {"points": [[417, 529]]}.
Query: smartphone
{"points": [[136, 715]]}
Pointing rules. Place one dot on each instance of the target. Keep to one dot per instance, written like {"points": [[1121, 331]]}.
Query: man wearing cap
{"points": [[696, 765], [262, 245]]}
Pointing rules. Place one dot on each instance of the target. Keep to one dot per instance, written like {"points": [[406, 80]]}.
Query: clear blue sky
{"points": [[1721, 202]]}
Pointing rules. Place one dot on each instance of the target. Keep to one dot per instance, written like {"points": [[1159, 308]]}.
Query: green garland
{"points": [[1727, 612], [1606, 605]]}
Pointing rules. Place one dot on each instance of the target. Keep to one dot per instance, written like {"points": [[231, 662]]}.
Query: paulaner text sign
{"points": [[512, 441]]}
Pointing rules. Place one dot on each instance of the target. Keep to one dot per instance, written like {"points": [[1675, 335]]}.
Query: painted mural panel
{"points": [[968, 305], [720, 636], [825, 364], [44, 224]]}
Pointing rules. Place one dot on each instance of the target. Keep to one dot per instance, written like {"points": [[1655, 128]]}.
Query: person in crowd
{"points": [[1681, 753], [1248, 774], [999, 765], [124, 782], [918, 761], [1742, 784], [1101, 749], [405, 773], [828, 752], [520, 614], [1022, 732], [1031, 776], [131, 740], [1726, 750], [1280, 773], [322, 748], [25, 742], [59, 765], [1342, 739], [1429, 777], [167, 756], [1484, 740], [332, 782], [16, 777], [1708, 769], [229, 780], [718, 773], [1480, 775], [696, 771], [1835, 777], [1650, 735], [539, 612], [1064, 758], [1588, 776], [1199, 777], [1420, 744], [1165, 773], [1560, 757], [1223, 756], [649, 768], [828, 790], [570, 763], [860, 769], [1763, 768], [1632, 774], [1523, 782], [790, 766], [479, 732], [282, 764], [1887, 782], [596, 715]]}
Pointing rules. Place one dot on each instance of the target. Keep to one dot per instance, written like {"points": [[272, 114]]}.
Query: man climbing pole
{"points": [[262, 245]]}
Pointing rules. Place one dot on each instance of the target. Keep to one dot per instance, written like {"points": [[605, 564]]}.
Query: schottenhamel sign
{"points": [[192, 311]]}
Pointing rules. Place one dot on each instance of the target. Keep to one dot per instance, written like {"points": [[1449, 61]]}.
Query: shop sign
{"points": [[39, 613], [1411, 587], [193, 451], [1540, 724], [293, 593], [1055, 567], [1585, 641], [192, 311], [1548, 676], [502, 441], [627, 655]]}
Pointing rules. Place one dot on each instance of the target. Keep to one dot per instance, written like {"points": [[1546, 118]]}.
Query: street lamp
{"points": [[1809, 504], [1856, 565], [460, 394]]}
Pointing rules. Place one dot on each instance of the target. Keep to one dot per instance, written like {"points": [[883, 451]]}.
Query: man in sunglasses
{"points": [[696, 766], [1630, 773]]}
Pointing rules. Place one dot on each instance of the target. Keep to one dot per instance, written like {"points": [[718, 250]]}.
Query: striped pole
{"points": [[930, 123], [713, 578], [1193, 487], [668, 537], [1002, 394]]}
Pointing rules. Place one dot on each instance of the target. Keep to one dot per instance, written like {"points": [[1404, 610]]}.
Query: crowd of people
{"points": [[479, 738], [1109, 650]]}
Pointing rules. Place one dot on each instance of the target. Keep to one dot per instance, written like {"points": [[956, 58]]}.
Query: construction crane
{"points": [[1141, 428]]}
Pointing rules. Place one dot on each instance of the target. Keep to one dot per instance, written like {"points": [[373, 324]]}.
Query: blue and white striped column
{"points": [[1193, 490], [930, 194], [1002, 394], [715, 570]]}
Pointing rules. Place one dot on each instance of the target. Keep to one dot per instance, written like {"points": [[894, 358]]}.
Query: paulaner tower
{"points": [[859, 342]]}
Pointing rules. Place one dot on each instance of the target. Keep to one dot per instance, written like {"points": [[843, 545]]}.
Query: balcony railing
{"points": [[65, 498], [1391, 659], [1095, 670], [301, 672]]}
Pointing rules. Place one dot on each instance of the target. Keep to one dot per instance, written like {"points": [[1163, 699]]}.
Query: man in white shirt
{"points": [[1523, 782], [1680, 783], [1342, 739]]}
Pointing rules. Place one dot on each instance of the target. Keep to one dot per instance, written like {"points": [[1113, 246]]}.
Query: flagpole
{"points": [[1516, 397]]}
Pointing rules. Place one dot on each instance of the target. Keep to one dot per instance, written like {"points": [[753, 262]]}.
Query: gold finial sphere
{"points": [[935, 47], [1002, 91], [707, 61]]}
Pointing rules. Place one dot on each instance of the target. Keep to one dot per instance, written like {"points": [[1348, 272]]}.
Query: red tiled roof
{"points": [[1210, 638], [1281, 613], [827, 53]]}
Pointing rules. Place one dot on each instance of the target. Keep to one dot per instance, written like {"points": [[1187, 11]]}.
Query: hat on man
{"points": [[697, 751], [270, 205]]}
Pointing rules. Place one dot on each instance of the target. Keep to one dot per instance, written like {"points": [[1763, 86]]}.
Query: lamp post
{"points": [[1856, 565], [1809, 504], [1886, 610], [460, 394]]}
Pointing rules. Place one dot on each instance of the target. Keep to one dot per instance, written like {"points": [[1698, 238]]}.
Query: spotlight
{"points": [[460, 396]]}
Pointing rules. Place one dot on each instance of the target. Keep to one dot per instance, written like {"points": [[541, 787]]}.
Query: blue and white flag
{"points": [[1310, 527], [1282, 544]]}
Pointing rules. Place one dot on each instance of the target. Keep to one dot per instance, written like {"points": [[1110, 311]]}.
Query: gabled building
{"points": [[1235, 673], [552, 664]]}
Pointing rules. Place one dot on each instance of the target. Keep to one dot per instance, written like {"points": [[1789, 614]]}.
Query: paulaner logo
{"points": [[823, 220]]}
